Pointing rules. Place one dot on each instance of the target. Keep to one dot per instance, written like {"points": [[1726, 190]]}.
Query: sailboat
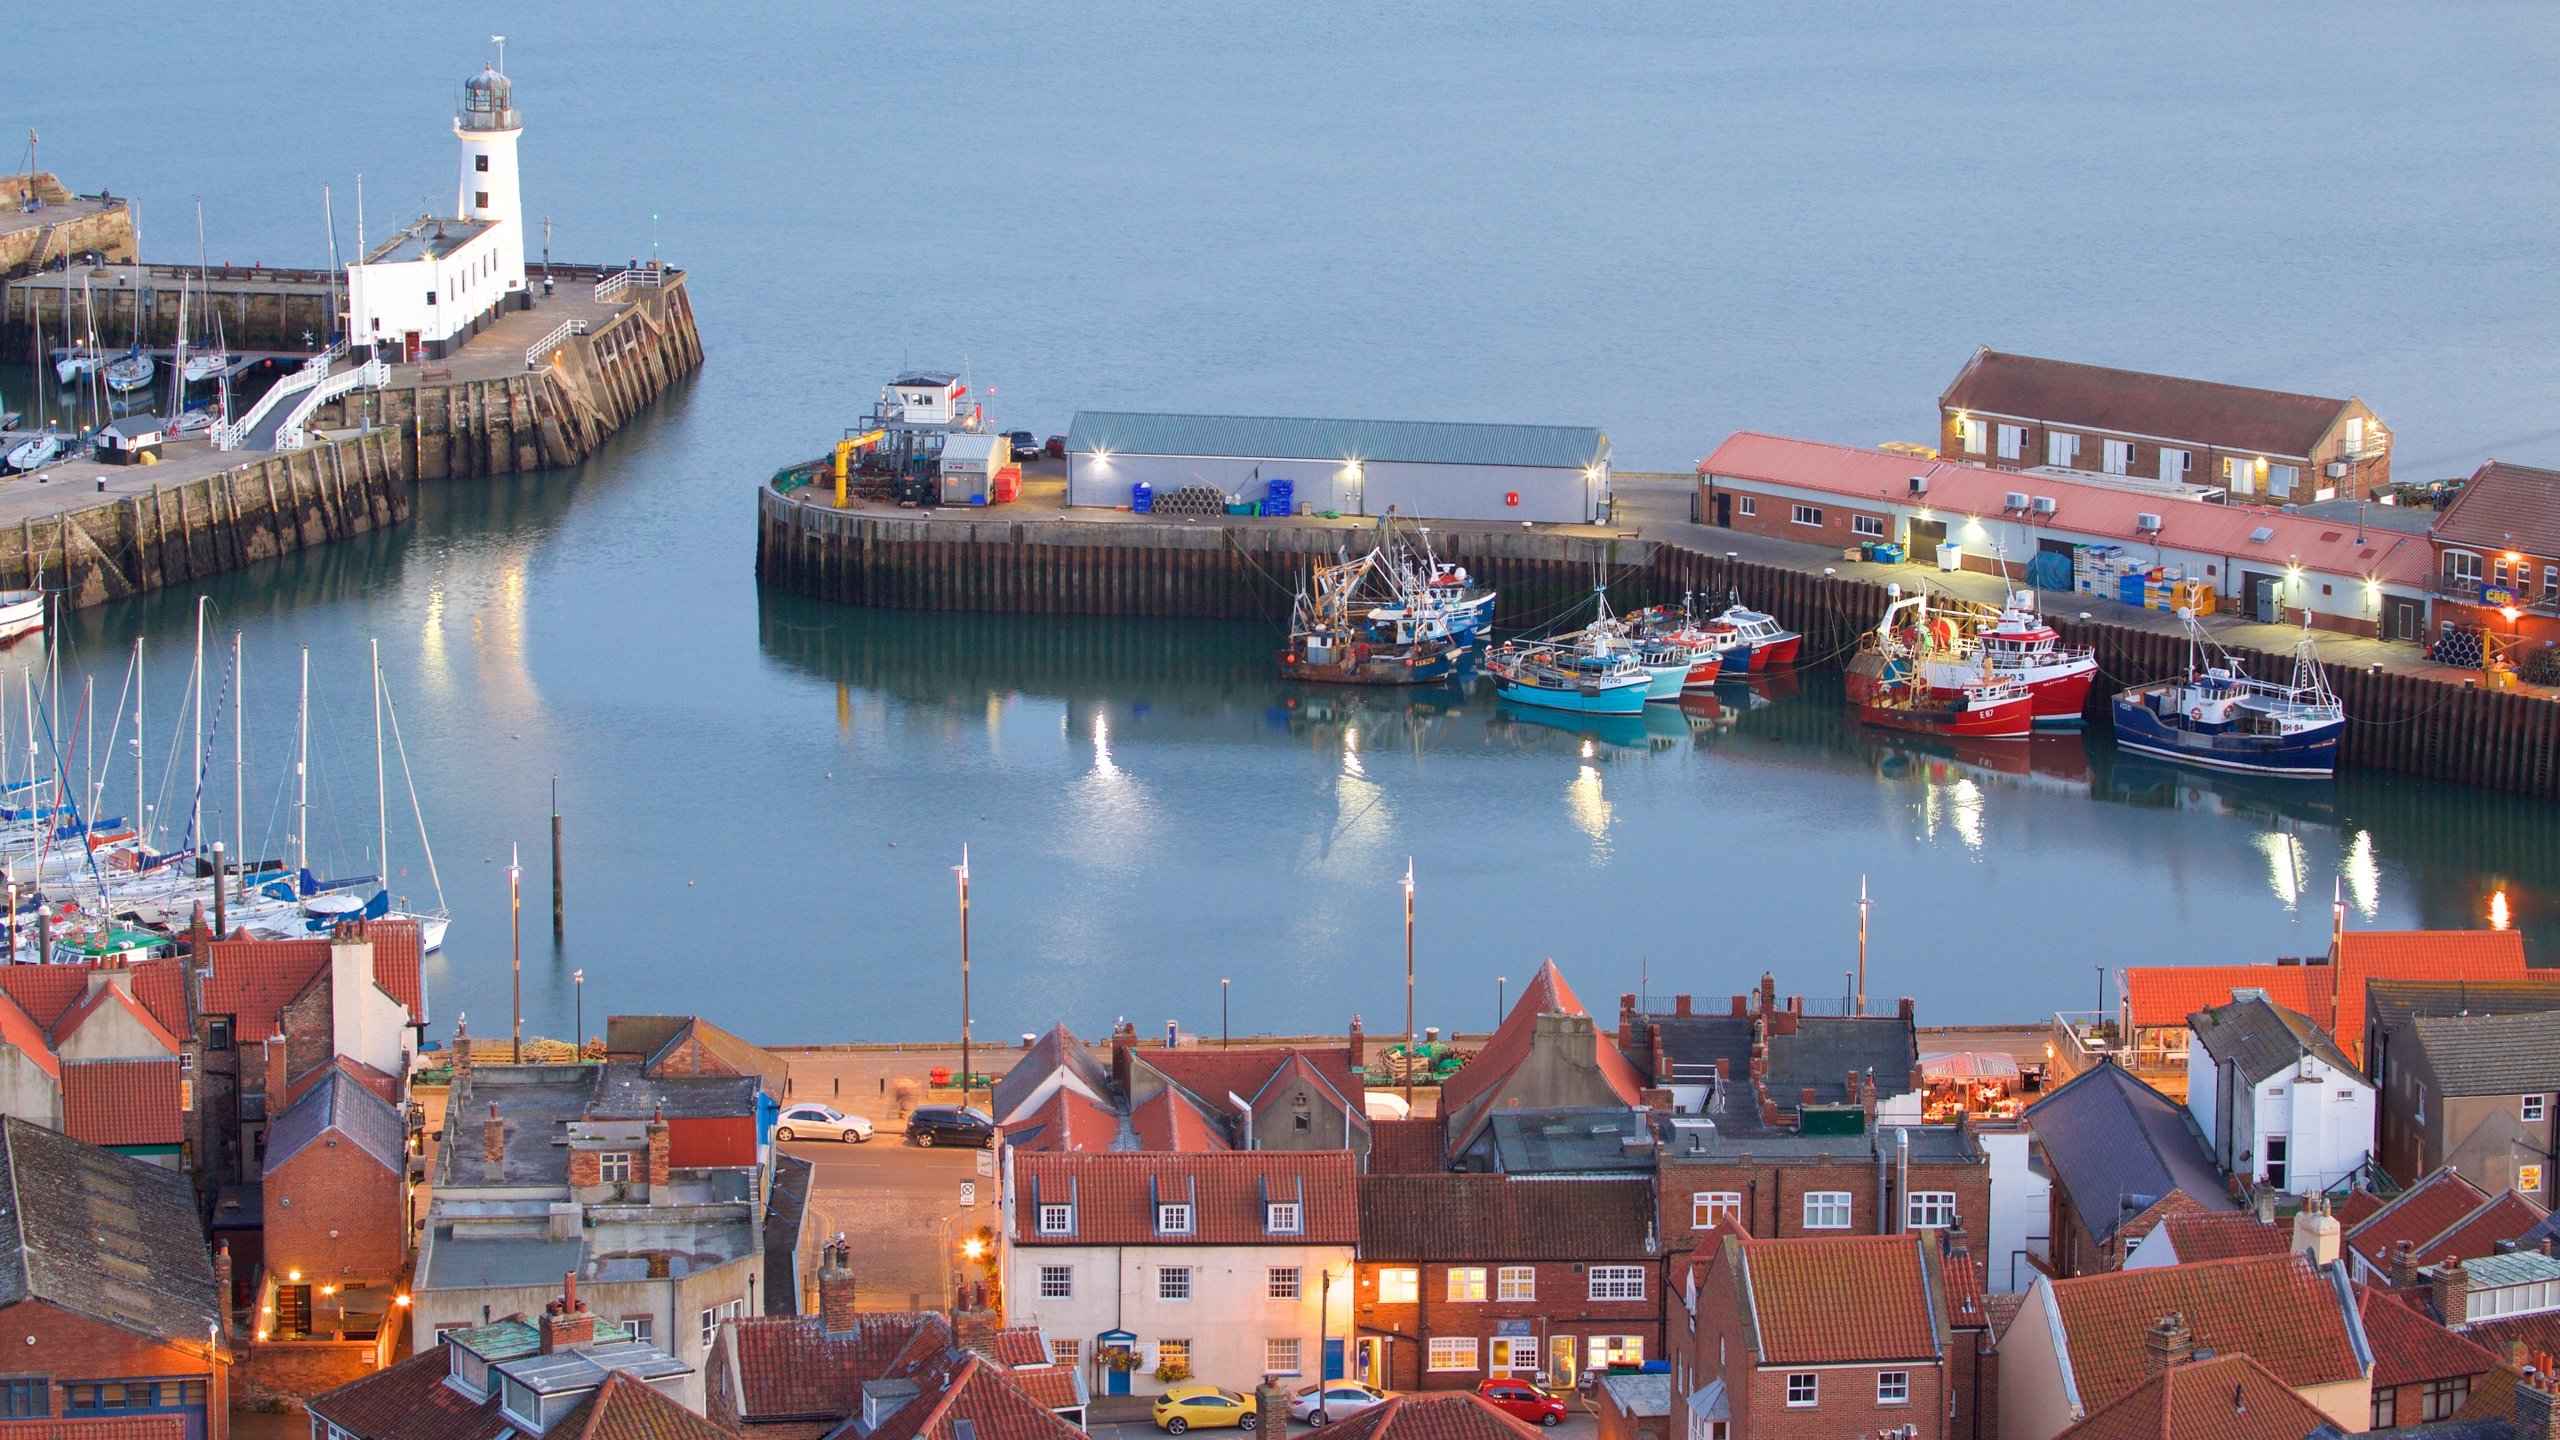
{"points": [[431, 923]]}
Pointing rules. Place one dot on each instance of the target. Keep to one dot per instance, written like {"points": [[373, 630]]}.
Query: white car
{"points": [[1342, 1399], [820, 1122]]}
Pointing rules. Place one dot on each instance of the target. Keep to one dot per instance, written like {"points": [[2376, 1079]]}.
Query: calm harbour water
{"points": [[1671, 224]]}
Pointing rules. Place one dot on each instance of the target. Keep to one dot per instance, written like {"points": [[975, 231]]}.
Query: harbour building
{"points": [[428, 288]]}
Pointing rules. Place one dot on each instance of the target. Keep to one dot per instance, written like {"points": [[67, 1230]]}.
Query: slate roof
{"points": [[1465, 1095], [2437, 1203], [1586, 1141], [1839, 1300], [1496, 1217], [1419, 1146], [2110, 1140], [124, 1102], [2294, 1319], [1115, 1192], [2264, 1038], [1441, 1415], [1692, 1044], [2410, 1348], [1058, 1049], [1279, 437], [2225, 1236], [342, 1104], [102, 1235], [673, 1032], [791, 1368], [786, 1210], [624, 1092], [253, 980], [2131, 402], [626, 1408], [2492, 1054], [2505, 507], [2229, 1397], [1826, 1049], [2393, 1003], [409, 1401]]}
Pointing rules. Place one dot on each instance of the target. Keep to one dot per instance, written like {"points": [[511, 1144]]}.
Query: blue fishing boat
{"points": [[1592, 681], [2217, 715]]}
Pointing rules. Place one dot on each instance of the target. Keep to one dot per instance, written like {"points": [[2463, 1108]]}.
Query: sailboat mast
{"points": [[302, 770], [138, 826], [239, 773], [381, 793], [195, 810]]}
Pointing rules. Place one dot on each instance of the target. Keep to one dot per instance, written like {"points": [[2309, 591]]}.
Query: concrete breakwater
{"points": [[2501, 739]]}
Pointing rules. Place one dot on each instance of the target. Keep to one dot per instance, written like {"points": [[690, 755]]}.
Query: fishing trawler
{"points": [[1954, 640], [1908, 676], [2217, 715], [1585, 681], [1338, 636], [1752, 641]]}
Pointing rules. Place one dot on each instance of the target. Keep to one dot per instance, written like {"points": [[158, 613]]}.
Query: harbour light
{"points": [[2498, 915]]}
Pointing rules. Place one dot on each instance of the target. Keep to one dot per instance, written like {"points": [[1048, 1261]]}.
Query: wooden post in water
{"points": [[559, 921]]}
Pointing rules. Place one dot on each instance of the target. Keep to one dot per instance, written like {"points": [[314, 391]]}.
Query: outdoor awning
{"points": [[1962, 1065]]}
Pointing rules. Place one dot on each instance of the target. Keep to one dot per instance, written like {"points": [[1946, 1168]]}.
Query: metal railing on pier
{"points": [[652, 275], [535, 353]]}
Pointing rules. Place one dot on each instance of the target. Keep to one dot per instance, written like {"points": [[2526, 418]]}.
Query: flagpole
{"points": [[515, 925]]}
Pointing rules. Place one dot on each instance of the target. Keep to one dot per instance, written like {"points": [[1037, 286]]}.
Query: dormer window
{"points": [[1173, 1219], [1057, 1219], [1281, 1217]]}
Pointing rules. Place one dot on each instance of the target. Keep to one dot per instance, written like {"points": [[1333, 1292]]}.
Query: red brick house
{"points": [[109, 1304], [1466, 1278], [336, 1190], [1814, 1337], [2421, 1371], [2497, 552], [2018, 412]]}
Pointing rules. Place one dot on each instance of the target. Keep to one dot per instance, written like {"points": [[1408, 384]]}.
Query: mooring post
{"points": [[558, 915]]}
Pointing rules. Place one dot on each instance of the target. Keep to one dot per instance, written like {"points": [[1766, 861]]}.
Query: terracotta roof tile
{"points": [[2431, 1207], [955, 1386], [112, 997], [1428, 1416], [791, 1367], [48, 992], [121, 1427], [409, 1401], [253, 980], [1497, 1217], [2132, 402], [2229, 1397], [1065, 1121], [1465, 1094], [625, 1408], [2225, 1237], [2539, 1333], [2410, 1348], [2275, 1307], [123, 1102], [1841, 1300], [2505, 507], [1212, 1075], [1015, 1346], [1114, 1193], [1169, 1122], [2354, 1208], [2164, 995], [2503, 1216], [20, 1029], [1418, 1146]]}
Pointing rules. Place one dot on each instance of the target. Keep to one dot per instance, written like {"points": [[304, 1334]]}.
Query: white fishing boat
{"points": [[201, 368], [35, 453], [20, 612]]}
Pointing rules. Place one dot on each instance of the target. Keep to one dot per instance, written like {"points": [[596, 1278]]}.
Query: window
{"points": [[1174, 1352], [1057, 1219], [1466, 1282], [1804, 1391], [1280, 1356], [2119, 457], [217, 1033], [1893, 1387], [2013, 442], [1280, 1217], [2443, 1397], [480, 199], [1930, 1210], [2061, 449], [25, 1396], [2282, 478], [1399, 1287], [643, 1328], [1173, 1282], [1616, 1350], [1513, 1356], [1747, 504], [1976, 435], [1173, 1219], [1453, 1352], [2174, 464], [2276, 1167], [716, 1316], [1057, 1282], [2461, 567], [2550, 580], [2529, 1179], [1709, 1206], [2535, 1107], [431, 297], [2498, 573], [1867, 525], [613, 1167], [1282, 1283], [1516, 1282], [1826, 1210], [480, 163], [1808, 515], [1617, 1282], [2386, 1407]]}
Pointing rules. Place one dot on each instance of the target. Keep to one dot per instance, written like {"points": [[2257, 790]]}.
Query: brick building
{"points": [[109, 1304], [663, 1045], [2497, 554], [2017, 412], [2477, 1093], [1814, 1337], [2422, 1371], [100, 1052], [1061, 1096], [2217, 1397], [1466, 1278], [336, 1203]]}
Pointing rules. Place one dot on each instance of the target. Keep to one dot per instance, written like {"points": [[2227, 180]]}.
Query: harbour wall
{"points": [[2505, 740], [175, 534], [65, 227]]}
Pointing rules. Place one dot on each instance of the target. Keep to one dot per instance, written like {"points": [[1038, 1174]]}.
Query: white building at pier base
{"points": [[427, 289]]}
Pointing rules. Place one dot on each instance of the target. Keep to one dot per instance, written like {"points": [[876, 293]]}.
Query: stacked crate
{"points": [[1279, 497]]}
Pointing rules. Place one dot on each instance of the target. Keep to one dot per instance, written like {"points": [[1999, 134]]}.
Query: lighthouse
{"points": [[489, 128]]}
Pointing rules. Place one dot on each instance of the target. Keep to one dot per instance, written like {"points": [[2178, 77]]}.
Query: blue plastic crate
{"points": [[1142, 498]]}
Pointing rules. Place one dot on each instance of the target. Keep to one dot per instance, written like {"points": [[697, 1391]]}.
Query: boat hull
{"points": [[1668, 682], [1397, 667], [2011, 719], [1619, 699], [2310, 754]]}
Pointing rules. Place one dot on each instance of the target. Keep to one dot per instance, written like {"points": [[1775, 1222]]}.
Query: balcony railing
{"points": [[2081, 1038], [2472, 590]]}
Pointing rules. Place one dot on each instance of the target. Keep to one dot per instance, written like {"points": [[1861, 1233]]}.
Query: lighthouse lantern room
{"points": [[423, 292]]}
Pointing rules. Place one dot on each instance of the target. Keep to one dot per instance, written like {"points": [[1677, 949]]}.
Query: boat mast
{"points": [[239, 770], [139, 827], [302, 770], [381, 794], [195, 810]]}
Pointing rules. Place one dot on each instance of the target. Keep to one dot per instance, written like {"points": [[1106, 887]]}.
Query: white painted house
{"points": [[429, 287], [2279, 1103], [1229, 1265], [2021, 1207]]}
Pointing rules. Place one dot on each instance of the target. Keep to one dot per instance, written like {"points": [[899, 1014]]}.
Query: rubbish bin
{"points": [[2270, 608], [1950, 557]]}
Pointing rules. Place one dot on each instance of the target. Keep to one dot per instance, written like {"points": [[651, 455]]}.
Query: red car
{"points": [[1523, 1401]]}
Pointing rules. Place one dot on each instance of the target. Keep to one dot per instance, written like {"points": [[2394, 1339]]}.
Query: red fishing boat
{"points": [[1981, 710]]}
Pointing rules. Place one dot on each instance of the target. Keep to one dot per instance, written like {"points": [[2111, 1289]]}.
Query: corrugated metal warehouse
{"points": [[1557, 474]]}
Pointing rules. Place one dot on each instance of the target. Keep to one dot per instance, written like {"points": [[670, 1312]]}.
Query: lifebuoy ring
{"points": [[2195, 712]]}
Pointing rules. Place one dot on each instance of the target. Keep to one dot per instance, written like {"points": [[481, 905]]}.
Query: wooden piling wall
{"points": [[1250, 569]]}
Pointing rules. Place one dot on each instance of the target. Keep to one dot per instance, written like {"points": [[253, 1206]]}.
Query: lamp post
{"points": [[1501, 998], [1409, 1056], [1223, 1038], [578, 981], [515, 923], [964, 975], [1863, 905]]}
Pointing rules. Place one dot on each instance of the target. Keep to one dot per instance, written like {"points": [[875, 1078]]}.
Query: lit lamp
{"points": [[974, 1248]]}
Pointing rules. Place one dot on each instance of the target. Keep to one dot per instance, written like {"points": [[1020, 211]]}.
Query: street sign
{"points": [[968, 1194], [986, 1164]]}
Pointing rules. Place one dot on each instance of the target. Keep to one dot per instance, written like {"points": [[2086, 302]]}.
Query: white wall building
{"points": [[2021, 1208], [2279, 1103], [1231, 1264], [428, 287]]}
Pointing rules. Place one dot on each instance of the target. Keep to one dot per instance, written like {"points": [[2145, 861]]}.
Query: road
{"points": [[1580, 1425], [899, 1207]]}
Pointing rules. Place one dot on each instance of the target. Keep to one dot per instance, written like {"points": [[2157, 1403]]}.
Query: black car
{"points": [[951, 1125], [1024, 447]]}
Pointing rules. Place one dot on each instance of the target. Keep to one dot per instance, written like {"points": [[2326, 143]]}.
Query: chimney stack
{"points": [[2265, 1203], [661, 1152], [836, 1309], [2168, 1344], [222, 1283], [2536, 1418], [2315, 1233], [2404, 1266], [493, 1144], [567, 1324], [1356, 1049], [2453, 1295], [1124, 1038]]}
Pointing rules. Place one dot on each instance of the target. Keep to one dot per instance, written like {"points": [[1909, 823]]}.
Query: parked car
{"points": [[1206, 1407], [1056, 449], [820, 1122], [1523, 1401], [951, 1125], [1024, 447], [1341, 1398]]}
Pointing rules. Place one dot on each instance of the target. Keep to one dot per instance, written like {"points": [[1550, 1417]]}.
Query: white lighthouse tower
{"points": [[489, 128]]}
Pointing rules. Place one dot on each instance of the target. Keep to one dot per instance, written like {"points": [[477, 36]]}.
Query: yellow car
{"points": [[1205, 1407]]}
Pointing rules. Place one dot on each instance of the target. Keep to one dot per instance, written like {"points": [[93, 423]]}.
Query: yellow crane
{"points": [[845, 449]]}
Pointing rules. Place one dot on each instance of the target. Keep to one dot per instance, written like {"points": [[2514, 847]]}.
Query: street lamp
{"points": [[1223, 1039], [578, 980], [1501, 998], [963, 868], [1409, 1056]]}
